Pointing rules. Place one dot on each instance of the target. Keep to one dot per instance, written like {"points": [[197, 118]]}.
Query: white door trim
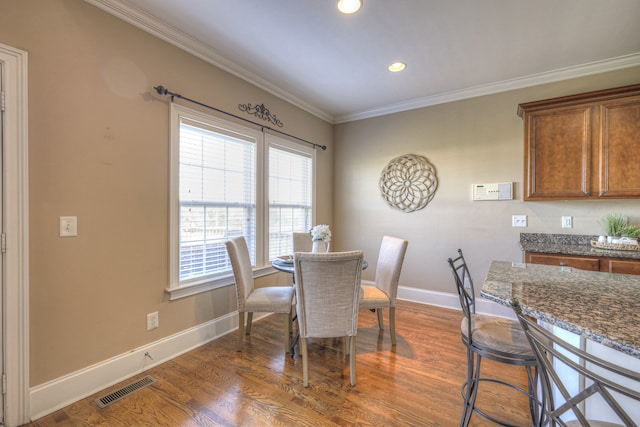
{"points": [[16, 217]]}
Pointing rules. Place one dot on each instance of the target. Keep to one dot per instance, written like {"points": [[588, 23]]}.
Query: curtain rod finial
{"points": [[161, 90]]}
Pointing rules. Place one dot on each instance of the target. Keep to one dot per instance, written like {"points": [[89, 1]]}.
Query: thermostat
{"points": [[495, 191]]}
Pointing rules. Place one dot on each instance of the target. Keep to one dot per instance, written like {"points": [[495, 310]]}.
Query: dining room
{"points": [[100, 296]]}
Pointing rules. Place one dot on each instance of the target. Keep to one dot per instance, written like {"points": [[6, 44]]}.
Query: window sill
{"points": [[198, 288]]}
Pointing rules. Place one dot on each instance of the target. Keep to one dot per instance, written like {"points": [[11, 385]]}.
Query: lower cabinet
{"points": [[606, 264], [613, 265], [581, 263]]}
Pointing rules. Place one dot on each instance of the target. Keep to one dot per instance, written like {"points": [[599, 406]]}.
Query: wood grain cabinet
{"points": [[581, 263], [583, 146], [606, 264], [613, 265]]}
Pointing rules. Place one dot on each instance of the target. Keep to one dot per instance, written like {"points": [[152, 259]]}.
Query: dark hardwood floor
{"points": [[415, 384]]}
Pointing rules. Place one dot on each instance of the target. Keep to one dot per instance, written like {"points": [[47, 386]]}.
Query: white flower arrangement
{"points": [[321, 233]]}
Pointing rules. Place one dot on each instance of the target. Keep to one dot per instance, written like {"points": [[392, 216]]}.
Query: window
{"points": [[290, 197], [228, 180]]}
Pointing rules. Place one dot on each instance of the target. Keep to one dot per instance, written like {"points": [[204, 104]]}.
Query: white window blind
{"points": [[229, 180], [217, 197], [290, 197]]}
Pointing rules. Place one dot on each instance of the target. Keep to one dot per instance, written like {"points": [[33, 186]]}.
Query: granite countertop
{"points": [[604, 307], [569, 244]]}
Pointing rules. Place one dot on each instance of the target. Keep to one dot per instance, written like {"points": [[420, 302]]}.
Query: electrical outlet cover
{"points": [[152, 321], [518, 220]]}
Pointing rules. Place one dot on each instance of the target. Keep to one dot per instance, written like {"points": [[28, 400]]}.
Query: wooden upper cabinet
{"points": [[559, 161], [619, 149], [583, 146]]}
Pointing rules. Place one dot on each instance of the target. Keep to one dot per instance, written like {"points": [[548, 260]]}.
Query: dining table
{"points": [[285, 264]]}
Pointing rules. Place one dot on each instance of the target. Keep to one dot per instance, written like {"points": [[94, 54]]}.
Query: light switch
{"points": [[68, 226]]}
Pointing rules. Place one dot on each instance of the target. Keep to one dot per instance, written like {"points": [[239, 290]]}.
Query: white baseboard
{"points": [[447, 300], [56, 394]]}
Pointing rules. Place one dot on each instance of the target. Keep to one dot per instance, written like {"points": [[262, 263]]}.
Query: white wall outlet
{"points": [[68, 226], [518, 220], [567, 222], [152, 321]]}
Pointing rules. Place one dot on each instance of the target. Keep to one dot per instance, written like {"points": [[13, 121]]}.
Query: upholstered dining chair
{"points": [[490, 337], [302, 242], [327, 293], [381, 293], [559, 362], [271, 299]]}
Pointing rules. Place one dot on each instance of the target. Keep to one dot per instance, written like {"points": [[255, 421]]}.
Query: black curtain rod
{"points": [[163, 91]]}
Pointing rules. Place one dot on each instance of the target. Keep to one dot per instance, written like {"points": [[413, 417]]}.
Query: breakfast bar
{"points": [[602, 307]]}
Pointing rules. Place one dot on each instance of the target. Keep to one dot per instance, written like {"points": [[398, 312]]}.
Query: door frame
{"points": [[16, 227]]}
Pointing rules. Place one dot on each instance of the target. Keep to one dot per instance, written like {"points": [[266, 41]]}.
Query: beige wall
{"points": [[98, 149], [477, 140], [98, 140]]}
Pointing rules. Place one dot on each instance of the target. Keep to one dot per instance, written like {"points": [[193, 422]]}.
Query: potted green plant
{"points": [[630, 231], [614, 224]]}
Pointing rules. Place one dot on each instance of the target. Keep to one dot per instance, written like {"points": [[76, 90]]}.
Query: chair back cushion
{"points": [[242, 270], [327, 293], [390, 259], [302, 242]]}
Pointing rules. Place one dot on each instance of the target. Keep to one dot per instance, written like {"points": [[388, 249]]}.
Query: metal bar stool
{"points": [[602, 381], [494, 338]]}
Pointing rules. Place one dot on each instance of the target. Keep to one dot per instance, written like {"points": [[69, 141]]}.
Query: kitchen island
{"points": [[602, 307]]}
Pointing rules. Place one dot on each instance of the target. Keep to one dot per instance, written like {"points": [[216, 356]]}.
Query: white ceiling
{"points": [[335, 66]]}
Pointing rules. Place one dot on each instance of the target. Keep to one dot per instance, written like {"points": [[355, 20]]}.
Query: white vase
{"points": [[319, 246]]}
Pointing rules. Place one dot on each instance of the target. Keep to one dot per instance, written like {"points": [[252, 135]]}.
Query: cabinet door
{"points": [[619, 148], [558, 153], [621, 266], [580, 263]]}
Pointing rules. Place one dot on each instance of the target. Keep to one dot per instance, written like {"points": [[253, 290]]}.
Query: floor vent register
{"points": [[124, 391]]}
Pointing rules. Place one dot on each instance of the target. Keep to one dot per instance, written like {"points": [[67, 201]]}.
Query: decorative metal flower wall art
{"points": [[408, 183]]}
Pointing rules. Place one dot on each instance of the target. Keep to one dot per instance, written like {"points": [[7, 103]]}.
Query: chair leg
{"points": [[249, 322], [352, 359], [534, 406], [380, 321], [305, 362], [287, 330], [392, 324], [474, 386], [240, 329], [467, 389]]}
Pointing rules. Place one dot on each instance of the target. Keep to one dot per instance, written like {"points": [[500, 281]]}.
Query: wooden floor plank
{"points": [[416, 383]]}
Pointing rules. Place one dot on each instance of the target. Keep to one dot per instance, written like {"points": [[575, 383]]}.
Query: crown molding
{"points": [[583, 70], [160, 29], [163, 31]]}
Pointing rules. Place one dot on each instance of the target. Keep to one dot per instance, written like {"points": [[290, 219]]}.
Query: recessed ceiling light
{"points": [[349, 6], [397, 66]]}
